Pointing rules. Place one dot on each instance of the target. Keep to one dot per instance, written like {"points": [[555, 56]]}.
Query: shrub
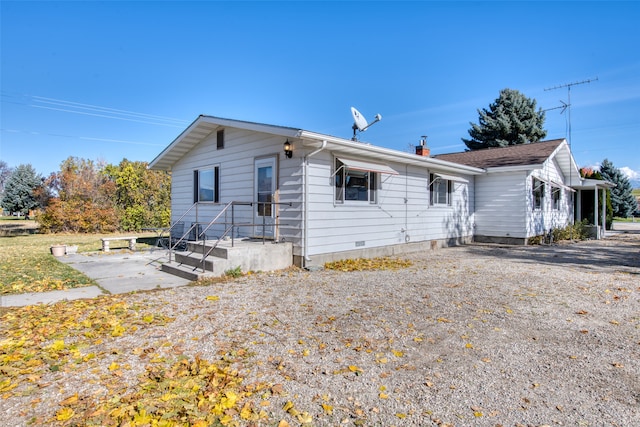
{"points": [[234, 272], [576, 231]]}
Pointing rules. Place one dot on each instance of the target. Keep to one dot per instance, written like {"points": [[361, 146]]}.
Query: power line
{"points": [[84, 138], [62, 105]]}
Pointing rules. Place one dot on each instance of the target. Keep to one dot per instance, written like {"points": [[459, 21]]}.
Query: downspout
{"points": [[407, 236], [305, 225]]}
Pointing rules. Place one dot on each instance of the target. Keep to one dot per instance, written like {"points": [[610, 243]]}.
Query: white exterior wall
{"points": [[236, 175], [504, 204], [337, 227], [540, 221], [402, 213], [501, 204]]}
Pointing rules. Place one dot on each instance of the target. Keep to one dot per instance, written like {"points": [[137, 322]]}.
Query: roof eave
{"points": [[200, 128], [386, 154], [517, 168]]}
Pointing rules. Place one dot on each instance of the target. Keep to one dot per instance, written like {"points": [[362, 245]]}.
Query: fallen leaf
{"points": [[69, 400], [327, 408], [288, 405], [64, 414]]}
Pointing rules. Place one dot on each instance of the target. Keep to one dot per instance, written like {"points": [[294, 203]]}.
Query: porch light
{"points": [[288, 152]]}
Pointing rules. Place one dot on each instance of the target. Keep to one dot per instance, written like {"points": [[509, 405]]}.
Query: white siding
{"points": [[236, 163], [501, 204], [542, 220], [401, 214], [504, 203]]}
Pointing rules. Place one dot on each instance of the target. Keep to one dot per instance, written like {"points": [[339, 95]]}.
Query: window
{"points": [[439, 190], [354, 184], [538, 193], [206, 185], [220, 139], [556, 196]]}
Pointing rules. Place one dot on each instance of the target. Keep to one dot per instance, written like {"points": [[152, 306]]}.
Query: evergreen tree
{"points": [[20, 190], [510, 120], [622, 200], [5, 173]]}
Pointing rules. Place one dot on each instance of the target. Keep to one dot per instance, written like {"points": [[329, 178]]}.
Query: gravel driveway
{"points": [[480, 335]]}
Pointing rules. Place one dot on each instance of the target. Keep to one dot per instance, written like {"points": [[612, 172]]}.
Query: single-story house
{"points": [[336, 198], [528, 190], [331, 197]]}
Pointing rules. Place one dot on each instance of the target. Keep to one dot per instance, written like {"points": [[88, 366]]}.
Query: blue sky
{"points": [[112, 80]]}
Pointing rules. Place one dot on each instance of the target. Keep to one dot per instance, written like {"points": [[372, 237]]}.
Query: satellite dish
{"points": [[360, 123]]}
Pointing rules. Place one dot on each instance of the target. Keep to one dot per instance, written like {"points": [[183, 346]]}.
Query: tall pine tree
{"points": [[510, 120], [622, 200], [20, 190]]}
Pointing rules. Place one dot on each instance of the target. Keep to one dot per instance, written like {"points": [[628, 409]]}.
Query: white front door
{"points": [[264, 192]]}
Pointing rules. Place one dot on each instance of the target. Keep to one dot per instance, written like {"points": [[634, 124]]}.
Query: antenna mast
{"points": [[568, 104], [568, 107]]}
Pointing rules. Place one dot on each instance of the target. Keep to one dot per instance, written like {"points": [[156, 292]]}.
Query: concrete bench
{"points": [[106, 240]]}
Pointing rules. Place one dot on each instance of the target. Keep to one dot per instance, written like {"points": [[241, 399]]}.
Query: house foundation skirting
{"points": [[319, 260], [502, 240]]}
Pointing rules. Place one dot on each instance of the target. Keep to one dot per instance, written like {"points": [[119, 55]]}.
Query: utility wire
{"points": [[73, 107]]}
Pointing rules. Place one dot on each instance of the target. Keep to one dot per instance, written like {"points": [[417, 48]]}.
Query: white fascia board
{"points": [[163, 160], [385, 154], [588, 184], [174, 143], [526, 168], [252, 126]]}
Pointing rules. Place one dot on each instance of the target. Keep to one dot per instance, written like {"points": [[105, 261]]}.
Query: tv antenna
{"points": [[567, 106], [360, 123], [564, 107]]}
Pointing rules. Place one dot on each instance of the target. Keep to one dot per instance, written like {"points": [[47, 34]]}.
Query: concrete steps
{"points": [[247, 254]]}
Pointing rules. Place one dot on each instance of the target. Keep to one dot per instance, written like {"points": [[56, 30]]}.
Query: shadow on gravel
{"points": [[617, 253]]}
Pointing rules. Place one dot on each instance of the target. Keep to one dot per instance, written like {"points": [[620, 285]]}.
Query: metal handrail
{"points": [[201, 235], [171, 245], [230, 228]]}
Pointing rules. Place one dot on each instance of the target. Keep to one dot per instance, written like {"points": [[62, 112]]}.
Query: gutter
{"points": [[305, 225], [390, 155]]}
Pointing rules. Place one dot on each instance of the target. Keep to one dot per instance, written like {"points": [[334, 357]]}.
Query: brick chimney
{"points": [[422, 150]]}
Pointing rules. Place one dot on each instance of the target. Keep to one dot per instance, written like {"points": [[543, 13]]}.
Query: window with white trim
{"points": [[439, 191], [354, 185], [537, 190], [556, 197], [206, 187]]}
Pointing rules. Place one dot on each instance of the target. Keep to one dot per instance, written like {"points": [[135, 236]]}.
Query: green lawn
{"points": [[26, 263]]}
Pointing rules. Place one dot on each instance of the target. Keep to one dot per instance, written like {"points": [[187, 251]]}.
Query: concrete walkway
{"points": [[116, 272]]}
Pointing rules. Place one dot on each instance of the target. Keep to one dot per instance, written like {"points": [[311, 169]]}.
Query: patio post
{"points": [[595, 211]]}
